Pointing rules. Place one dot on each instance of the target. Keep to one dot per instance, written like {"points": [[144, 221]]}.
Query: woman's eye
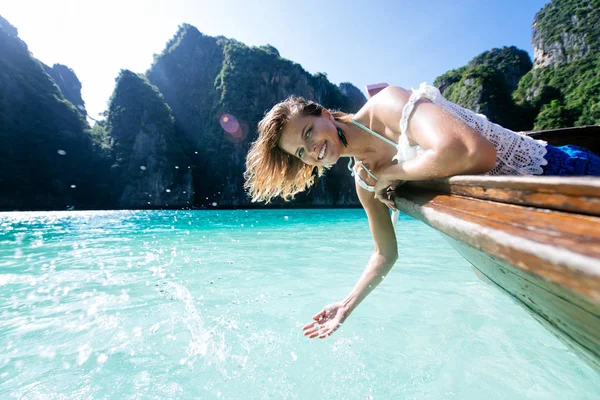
{"points": [[308, 132], [301, 153]]}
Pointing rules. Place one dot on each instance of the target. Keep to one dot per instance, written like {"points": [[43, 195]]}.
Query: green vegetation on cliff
{"points": [[150, 168], [485, 86], [568, 95], [178, 136], [205, 79], [48, 159], [564, 89], [578, 19], [69, 85]]}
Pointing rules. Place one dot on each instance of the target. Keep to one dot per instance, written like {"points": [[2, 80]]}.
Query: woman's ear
{"points": [[326, 113]]}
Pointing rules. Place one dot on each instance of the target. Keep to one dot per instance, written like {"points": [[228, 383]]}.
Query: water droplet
{"points": [[61, 152], [83, 353], [143, 167], [101, 359], [92, 310]]}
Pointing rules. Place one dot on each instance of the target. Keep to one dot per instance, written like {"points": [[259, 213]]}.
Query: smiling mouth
{"points": [[322, 153]]}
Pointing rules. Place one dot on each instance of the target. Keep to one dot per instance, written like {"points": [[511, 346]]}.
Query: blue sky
{"points": [[402, 42]]}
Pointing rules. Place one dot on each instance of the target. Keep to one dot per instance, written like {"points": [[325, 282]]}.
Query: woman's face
{"points": [[312, 139]]}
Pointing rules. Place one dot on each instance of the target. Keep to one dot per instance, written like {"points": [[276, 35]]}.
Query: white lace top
{"points": [[516, 154]]}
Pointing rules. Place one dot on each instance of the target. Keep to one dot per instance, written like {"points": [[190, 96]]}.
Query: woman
{"points": [[397, 136]]}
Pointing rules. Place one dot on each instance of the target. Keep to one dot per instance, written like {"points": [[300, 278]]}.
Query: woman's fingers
{"points": [[309, 325], [321, 331], [319, 315], [385, 199], [313, 335], [326, 332], [310, 330]]}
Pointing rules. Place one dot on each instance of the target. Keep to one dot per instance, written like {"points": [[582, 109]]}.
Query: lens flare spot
{"points": [[236, 132], [229, 123]]}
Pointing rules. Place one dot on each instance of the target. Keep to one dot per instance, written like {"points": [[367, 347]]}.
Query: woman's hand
{"points": [[384, 188], [326, 321]]}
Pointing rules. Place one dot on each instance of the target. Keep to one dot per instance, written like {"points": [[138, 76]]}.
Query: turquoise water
{"points": [[207, 304]]}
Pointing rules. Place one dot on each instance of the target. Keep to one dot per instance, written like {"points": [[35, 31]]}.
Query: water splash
{"points": [[206, 343]]}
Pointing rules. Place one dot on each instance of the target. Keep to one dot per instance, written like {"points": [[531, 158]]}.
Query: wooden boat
{"points": [[535, 238]]}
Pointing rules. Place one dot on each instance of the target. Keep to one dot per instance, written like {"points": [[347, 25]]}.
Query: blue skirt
{"points": [[571, 160]]}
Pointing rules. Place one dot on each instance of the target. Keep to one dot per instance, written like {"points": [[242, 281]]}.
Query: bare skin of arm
{"points": [[385, 254], [451, 146]]}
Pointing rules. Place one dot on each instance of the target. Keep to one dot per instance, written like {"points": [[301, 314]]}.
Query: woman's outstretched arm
{"points": [[385, 254]]}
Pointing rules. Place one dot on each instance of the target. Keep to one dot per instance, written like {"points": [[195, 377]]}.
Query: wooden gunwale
{"points": [[576, 195]]}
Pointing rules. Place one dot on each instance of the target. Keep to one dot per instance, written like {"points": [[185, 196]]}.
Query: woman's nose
{"points": [[313, 150]]}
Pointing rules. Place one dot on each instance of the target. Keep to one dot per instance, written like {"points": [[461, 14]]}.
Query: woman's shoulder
{"points": [[385, 107]]}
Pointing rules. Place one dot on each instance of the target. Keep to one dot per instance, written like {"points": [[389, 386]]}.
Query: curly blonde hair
{"points": [[270, 171]]}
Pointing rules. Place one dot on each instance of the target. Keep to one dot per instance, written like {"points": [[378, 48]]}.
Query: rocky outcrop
{"points": [[218, 90], [565, 31], [174, 138], [8, 29], [48, 159], [150, 169], [561, 90], [356, 99], [486, 83], [69, 85], [512, 63]]}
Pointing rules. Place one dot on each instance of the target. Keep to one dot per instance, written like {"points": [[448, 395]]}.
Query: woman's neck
{"points": [[361, 144]]}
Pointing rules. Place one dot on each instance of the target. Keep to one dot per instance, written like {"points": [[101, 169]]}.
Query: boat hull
{"points": [[546, 259], [556, 309]]}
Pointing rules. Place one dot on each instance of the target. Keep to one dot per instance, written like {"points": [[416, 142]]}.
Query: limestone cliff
{"points": [[563, 88], [218, 90], [150, 170], [178, 136], [48, 158], [486, 83], [565, 31], [69, 85]]}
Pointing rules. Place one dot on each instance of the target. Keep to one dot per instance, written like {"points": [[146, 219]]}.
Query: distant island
{"points": [[176, 136]]}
